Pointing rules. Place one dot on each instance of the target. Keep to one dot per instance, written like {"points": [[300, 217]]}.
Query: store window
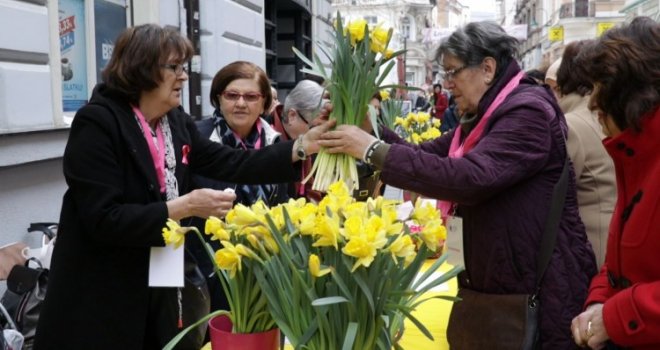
{"points": [[88, 29]]}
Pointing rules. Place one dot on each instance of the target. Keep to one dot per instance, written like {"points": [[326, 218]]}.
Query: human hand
{"points": [[348, 139], [324, 112], [588, 328], [207, 202], [310, 138], [11, 255]]}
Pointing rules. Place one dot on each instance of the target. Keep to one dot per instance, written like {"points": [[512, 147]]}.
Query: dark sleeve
{"points": [[516, 147], [110, 204], [271, 164]]}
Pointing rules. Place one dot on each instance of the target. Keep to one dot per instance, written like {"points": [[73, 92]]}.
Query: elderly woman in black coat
{"points": [[128, 164]]}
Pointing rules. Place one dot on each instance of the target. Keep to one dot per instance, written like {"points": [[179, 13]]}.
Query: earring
{"points": [[487, 81]]}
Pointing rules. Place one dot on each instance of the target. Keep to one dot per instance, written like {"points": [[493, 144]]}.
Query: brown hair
{"points": [[624, 63], [240, 70], [138, 56], [572, 78]]}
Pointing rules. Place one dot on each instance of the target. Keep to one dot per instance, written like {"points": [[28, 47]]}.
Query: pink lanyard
{"points": [[157, 153], [457, 150], [257, 145]]}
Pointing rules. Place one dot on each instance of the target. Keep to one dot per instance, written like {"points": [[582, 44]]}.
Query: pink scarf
{"points": [[457, 150]]}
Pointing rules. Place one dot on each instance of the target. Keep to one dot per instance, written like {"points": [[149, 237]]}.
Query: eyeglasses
{"points": [[177, 68], [301, 117], [247, 97], [451, 74]]}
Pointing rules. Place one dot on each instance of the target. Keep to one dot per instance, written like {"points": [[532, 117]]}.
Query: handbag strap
{"points": [[549, 238]]}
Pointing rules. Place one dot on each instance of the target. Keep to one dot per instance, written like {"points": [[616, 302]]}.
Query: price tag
{"points": [[454, 242]]}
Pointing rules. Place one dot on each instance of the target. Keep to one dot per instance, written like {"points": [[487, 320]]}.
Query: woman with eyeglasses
{"points": [[496, 172], [128, 164], [241, 94]]}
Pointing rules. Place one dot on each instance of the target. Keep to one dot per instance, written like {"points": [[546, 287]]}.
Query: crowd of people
{"points": [[134, 158]]}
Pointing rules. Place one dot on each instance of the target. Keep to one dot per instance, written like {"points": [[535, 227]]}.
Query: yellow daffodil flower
{"points": [[384, 94], [216, 228], [402, 247], [388, 54], [360, 248], [353, 226], [433, 233], [424, 213], [174, 234], [357, 29], [356, 209], [315, 266], [241, 215], [379, 38], [228, 258], [327, 231]]}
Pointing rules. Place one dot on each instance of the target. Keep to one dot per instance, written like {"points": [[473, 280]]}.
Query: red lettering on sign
{"points": [[67, 25]]}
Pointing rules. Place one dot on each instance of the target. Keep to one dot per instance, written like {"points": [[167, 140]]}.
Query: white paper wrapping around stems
{"points": [[166, 267], [393, 193], [444, 287]]}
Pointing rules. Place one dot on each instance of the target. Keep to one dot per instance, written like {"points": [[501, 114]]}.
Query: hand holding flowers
{"points": [[357, 57]]}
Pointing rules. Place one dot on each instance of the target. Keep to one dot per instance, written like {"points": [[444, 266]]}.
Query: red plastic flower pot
{"points": [[223, 339]]}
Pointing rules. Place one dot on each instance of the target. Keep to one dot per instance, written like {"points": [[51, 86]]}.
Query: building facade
{"points": [[52, 53], [409, 19], [554, 23]]}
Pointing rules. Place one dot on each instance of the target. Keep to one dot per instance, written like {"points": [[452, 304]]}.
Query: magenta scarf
{"points": [[458, 149]]}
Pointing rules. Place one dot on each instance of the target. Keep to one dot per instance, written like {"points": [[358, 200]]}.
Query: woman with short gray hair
{"points": [[300, 106], [495, 174]]}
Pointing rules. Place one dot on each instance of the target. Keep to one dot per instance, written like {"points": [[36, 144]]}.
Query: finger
{"points": [[596, 342], [326, 125]]}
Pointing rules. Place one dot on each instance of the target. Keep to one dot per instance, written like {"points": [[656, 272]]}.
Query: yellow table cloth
{"points": [[434, 314]]}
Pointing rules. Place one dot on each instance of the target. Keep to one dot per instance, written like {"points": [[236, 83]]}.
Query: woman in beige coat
{"points": [[594, 171]]}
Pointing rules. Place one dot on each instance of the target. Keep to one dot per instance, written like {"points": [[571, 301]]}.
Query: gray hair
{"points": [[304, 98], [478, 40]]}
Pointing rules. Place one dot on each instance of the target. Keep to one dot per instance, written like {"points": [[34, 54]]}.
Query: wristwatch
{"points": [[300, 150]]}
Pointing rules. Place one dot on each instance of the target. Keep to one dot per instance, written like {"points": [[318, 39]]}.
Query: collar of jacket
{"points": [[635, 148]]}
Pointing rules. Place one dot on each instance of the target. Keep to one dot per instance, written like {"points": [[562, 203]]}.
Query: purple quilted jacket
{"points": [[503, 189]]}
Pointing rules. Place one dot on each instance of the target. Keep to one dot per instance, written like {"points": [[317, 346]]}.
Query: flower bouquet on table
{"points": [[341, 274], [425, 223], [417, 127], [391, 109], [248, 324], [357, 57]]}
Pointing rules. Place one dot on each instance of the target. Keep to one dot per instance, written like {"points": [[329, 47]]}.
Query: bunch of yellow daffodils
{"points": [[360, 59], [417, 127]]}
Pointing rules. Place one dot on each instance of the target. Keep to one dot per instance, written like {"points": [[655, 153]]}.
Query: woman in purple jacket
{"points": [[496, 171]]}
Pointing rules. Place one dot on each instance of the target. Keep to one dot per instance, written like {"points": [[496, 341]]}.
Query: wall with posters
{"points": [[73, 47]]}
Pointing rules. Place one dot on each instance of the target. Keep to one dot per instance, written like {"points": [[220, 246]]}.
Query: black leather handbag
{"points": [[26, 290], [507, 321]]}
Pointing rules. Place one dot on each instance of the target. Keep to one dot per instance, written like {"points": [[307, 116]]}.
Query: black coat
{"points": [[113, 213]]}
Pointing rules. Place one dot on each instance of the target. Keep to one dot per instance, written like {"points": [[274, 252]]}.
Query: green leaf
{"points": [[172, 343], [329, 301], [365, 288], [349, 339], [418, 324]]}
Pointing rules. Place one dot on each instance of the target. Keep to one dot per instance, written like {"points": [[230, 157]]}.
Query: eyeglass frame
{"points": [[239, 96], [450, 75], [180, 67], [301, 116]]}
